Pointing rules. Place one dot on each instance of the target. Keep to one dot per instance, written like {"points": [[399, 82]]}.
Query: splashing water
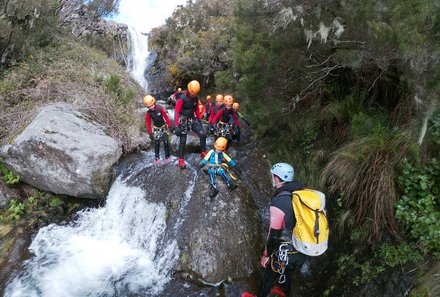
{"points": [[110, 251], [138, 56]]}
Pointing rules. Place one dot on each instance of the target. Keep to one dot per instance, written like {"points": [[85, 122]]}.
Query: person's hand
{"points": [[151, 136], [264, 260]]}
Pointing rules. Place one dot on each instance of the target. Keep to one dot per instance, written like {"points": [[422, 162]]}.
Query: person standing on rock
{"points": [[208, 107], [282, 222], [160, 130], [187, 118], [221, 119], [174, 97], [215, 108]]}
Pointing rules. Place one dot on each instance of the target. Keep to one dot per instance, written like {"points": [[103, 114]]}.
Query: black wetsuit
{"points": [[187, 118], [281, 209]]}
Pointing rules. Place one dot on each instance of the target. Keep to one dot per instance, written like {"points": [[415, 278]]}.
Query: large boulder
{"points": [[220, 238], [64, 152]]}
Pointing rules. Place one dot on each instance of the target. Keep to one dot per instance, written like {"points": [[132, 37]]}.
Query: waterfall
{"points": [[115, 250], [138, 56]]}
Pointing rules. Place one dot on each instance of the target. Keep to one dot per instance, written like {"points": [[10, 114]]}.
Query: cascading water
{"points": [[107, 251], [138, 56]]}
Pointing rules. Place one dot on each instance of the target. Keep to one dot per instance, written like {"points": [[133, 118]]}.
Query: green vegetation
{"points": [[17, 208], [341, 90], [113, 86], [419, 207], [7, 176], [388, 256]]}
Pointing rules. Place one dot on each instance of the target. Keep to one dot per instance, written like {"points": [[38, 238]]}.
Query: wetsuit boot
{"points": [[229, 181], [182, 163], [213, 192]]}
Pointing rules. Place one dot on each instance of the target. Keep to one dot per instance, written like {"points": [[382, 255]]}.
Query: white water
{"points": [[138, 59], [109, 251]]}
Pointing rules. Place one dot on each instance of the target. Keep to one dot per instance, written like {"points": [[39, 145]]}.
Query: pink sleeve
{"points": [[177, 110], [276, 218]]}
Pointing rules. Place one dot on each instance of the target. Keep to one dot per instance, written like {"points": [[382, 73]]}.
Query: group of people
{"points": [[280, 255], [189, 112]]}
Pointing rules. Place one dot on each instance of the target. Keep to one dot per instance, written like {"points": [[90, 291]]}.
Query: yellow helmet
{"points": [[235, 106], [193, 87], [149, 101], [219, 98], [179, 90], [221, 143], [228, 99]]}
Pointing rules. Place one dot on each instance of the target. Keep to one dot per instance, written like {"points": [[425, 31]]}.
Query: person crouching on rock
{"points": [[214, 160], [160, 130]]}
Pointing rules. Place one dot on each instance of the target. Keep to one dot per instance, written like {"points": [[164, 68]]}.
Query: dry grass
{"points": [[364, 173], [72, 73]]}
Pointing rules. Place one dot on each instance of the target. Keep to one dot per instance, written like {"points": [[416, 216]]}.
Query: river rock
{"points": [[64, 152], [220, 238]]}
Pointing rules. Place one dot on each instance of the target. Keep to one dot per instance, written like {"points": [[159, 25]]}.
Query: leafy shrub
{"points": [[15, 210], [419, 207], [387, 256], [113, 85], [7, 176]]}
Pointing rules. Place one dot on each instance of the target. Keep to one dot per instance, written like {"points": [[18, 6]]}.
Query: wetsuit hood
{"points": [[294, 185]]}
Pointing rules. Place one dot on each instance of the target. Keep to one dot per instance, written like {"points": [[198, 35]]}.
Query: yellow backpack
{"points": [[311, 232]]}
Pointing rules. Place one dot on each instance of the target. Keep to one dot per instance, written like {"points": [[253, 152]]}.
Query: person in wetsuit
{"points": [[237, 132], [282, 222], [215, 160], [222, 118], [208, 107], [187, 118], [214, 109], [160, 130]]}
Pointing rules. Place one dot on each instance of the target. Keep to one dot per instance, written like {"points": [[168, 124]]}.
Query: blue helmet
{"points": [[283, 170]]}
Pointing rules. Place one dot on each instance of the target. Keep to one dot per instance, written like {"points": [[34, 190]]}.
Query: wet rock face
{"points": [[218, 238], [64, 152], [74, 14]]}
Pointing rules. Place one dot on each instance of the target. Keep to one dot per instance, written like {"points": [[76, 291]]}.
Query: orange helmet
{"points": [[208, 98], [228, 99], [221, 143], [193, 87], [179, 90], [235, 106], [219, 98], [149, 101]]}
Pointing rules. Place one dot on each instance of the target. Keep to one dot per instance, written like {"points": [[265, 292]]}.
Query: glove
{"points": [[264, 260], [151, 136]]}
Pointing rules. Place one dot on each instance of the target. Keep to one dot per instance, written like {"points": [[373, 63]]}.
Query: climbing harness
{"points": [[226, 168], [159, 131], [185, 124], [223, 129], [280, 259]]}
